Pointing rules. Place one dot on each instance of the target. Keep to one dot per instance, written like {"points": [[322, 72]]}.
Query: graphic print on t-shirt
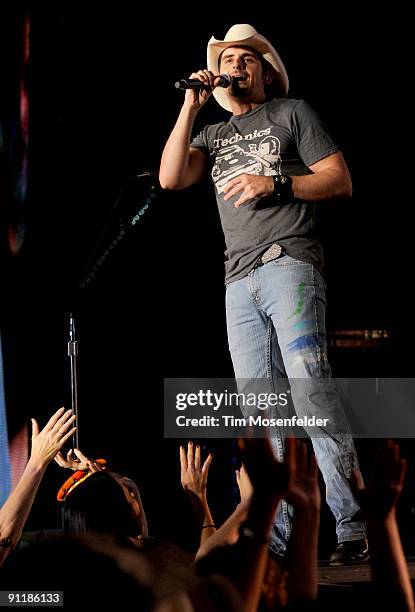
{"points": [[245, 157]]}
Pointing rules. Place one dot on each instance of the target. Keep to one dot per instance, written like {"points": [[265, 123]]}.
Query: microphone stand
{"points": [[73, 355], [125, 226]]}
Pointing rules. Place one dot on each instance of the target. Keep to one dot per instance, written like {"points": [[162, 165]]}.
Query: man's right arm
{"points": [[181, 165]]}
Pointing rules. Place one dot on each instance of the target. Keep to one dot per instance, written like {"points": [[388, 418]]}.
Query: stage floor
{"points": [[350, 574]]}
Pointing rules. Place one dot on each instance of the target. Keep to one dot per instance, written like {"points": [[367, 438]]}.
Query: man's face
{"points": [[244, 62]]}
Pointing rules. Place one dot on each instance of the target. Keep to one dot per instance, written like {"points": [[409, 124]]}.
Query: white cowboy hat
{"points": [[244, 35]]}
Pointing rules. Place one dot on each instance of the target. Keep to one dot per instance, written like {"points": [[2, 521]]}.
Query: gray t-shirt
{"points": [[281, 136]]}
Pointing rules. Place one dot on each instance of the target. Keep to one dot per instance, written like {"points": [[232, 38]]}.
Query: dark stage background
{"points": [[102, 105]]}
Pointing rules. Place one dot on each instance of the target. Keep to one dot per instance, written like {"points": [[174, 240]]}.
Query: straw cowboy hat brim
{"points": [[244, 35]]}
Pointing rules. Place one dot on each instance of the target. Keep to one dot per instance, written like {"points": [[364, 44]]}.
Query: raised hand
{"points": [[81, 462], [379, 498], [304, 490], [193, 475], [244, 484], [269, 477], [48, 442]]}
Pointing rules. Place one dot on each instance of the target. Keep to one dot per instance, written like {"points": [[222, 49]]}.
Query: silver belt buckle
{"points": [[273, 252]]}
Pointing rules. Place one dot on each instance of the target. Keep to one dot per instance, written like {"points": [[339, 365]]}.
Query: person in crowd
{"points": [[45, 444], [378, 500], [193, 478], [99, 500], [295, 581]]}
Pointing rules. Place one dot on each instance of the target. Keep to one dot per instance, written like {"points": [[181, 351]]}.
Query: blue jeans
{"points": [[276, 327]]}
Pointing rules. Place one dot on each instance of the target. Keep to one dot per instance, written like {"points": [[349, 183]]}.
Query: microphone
{"points": [[224, 81]]}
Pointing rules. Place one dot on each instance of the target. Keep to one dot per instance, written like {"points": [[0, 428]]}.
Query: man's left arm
{"points": [[330, 179]]}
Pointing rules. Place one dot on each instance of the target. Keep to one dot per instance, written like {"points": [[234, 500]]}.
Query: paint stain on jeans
{"points": [[303, 324], [300, 302], [303, 342]]}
